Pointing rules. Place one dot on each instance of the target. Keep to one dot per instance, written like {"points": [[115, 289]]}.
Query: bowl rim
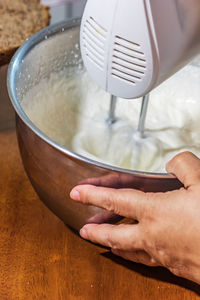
{"points": [[13, 70]]}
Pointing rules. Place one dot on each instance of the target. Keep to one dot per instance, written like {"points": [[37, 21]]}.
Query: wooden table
{"points": [[40, 258]]}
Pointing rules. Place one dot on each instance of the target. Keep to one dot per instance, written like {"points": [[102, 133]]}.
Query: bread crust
{"points": [[19, 19]]}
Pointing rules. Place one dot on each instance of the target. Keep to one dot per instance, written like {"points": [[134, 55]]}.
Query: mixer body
{"points": [[129, 47]]}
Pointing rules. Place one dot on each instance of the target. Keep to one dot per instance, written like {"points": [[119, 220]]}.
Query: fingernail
{"points": [[75, 195], [83, 234]]}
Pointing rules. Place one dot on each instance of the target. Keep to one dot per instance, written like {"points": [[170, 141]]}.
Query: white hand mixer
{"points": [[131, 46]]}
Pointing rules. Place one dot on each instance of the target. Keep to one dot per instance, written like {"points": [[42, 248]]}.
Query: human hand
{"points": [[168, 229]]}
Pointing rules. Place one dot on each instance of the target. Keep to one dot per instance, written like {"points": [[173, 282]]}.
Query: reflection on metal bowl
{"points": [[54, 170]]}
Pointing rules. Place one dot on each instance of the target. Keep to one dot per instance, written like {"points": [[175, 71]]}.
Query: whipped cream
{"points": [[73, 112]]}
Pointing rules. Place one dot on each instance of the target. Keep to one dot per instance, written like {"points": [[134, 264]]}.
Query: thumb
{"points": [[186, 167]]}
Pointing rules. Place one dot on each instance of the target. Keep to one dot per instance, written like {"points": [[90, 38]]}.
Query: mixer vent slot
{"points": [[128, 61], [94, 39]]}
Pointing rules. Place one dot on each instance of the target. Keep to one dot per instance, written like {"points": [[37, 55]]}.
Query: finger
{"points": [[139, 256], [124, 202], [186, 167], [120, 237]]}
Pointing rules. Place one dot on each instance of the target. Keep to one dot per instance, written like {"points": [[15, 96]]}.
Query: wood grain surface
{"points": [[41, 258]]}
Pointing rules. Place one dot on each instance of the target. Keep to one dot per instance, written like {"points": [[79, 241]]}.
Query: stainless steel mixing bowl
{"points": [[52, 169]]}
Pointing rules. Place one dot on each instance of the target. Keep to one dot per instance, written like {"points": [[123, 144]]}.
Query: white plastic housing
{"points": [[131, 46]]}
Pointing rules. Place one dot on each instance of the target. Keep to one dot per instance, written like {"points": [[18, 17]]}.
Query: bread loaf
{"points": [[19, 19]]}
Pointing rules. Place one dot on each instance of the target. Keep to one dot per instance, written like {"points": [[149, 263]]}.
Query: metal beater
{"points": [[142, 118]]}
